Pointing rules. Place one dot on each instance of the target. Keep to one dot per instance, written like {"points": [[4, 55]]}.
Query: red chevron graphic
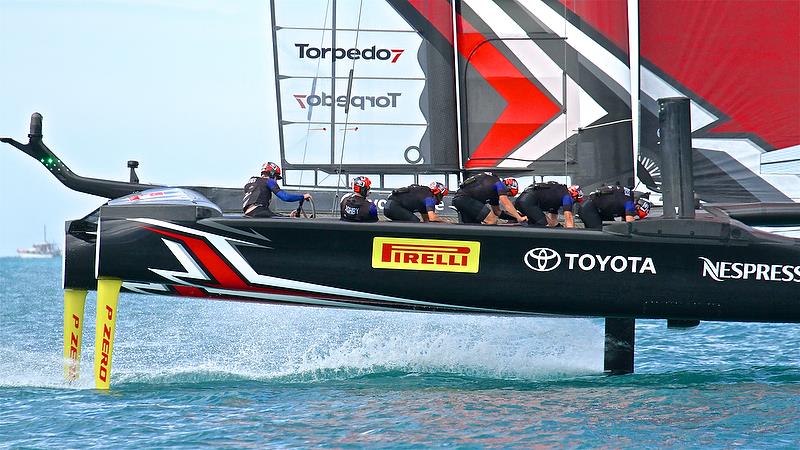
{"points": [[227, 278], [527, 109], [189, 291], [218, 268]]}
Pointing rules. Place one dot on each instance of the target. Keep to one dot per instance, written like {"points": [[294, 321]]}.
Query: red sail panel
{"points": [[739, 63], [526, 107], [741, 56], [609, 17], [545, 88], [438, 13]]}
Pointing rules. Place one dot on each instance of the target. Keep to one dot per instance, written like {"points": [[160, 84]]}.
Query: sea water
{"points": [[196, 373]]}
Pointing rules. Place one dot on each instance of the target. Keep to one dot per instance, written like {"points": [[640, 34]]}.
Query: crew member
{"points": [[609, 202], [404, 202], [473, 194], [355, 207], [540, 202], [258, 192]]}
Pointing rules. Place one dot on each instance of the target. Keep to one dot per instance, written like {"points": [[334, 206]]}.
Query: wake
{"points": [[219, 341]]}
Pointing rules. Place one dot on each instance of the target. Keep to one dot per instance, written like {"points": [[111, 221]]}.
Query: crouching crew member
{"points": [[355, 207], [258, 192], [405, 201], [609, 202], [473, 194], [540, 202]]}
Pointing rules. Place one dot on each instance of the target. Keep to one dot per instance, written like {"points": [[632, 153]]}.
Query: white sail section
{"points": [[307, 14], [352, 81]]}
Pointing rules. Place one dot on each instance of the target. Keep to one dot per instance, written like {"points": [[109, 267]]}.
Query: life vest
{"points": [[403, 190], [606, 190], [473, 179], [545, 186], [355, 208], [256, 191]]}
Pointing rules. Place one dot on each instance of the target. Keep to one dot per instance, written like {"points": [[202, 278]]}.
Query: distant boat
{"points": [[43, 250]]}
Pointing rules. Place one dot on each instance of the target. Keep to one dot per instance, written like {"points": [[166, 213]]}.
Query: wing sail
{"points": [[546, 87], [362, 86], [738, 63]]}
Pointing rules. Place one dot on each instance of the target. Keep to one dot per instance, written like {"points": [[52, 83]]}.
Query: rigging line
{"points": [[333, 86], [347, 109], [314, 89], [300, 77], [409, 124], [600, 125], [492, 158], [565, 100], [370, 30]]}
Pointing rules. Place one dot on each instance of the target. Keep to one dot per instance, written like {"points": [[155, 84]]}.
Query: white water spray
{"points": [[164, 340]]}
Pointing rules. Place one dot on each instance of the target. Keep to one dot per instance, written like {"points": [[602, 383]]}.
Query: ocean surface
{"points": [[193, 373]]}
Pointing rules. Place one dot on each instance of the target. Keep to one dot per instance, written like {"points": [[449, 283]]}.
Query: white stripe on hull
{"points": [[222, 244]]}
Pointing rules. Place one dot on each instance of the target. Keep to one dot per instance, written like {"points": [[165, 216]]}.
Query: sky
{"points": [[185, 87]]}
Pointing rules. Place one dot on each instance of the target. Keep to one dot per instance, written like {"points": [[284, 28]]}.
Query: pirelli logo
{"points": [[425, 254]]}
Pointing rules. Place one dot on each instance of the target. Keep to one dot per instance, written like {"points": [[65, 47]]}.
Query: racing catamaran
{"points": [[413, 91]]}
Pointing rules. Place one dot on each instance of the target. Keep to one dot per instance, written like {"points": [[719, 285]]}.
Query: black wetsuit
{"points": [[607, 203], [405, 201], [540, 198], [355, 208], [471, 198], [258, 191]]}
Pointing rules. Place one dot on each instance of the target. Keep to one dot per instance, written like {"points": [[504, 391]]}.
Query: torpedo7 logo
{"points": [[369, 53], [356, 101]]}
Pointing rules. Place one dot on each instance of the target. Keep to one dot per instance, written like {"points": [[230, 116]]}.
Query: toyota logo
{"points": [[542, 259]]}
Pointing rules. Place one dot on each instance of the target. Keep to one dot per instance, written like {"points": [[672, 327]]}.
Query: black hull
{"points": [[176, 242], [706, 269]]}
